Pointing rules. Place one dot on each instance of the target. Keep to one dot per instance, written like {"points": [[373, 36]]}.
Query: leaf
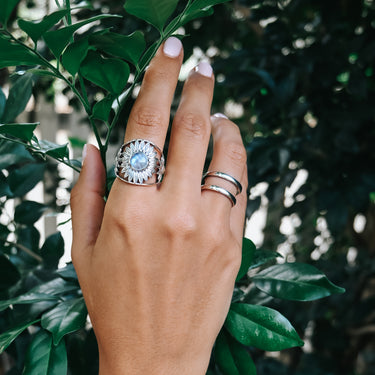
{"points": [[110, 74], [13, 54], [261, 327], [29, 212], [4, 187], [9, 274], [11, 334], [44, 358], [12, 153], [27, 298], [21, 131], [3, 100], [103, 108], [295, 281], [57, 40], [19, 95], [7, 8], [74, 55], [68, 272], [52, 250], [232, 357], [66, 317], [248, 250], [36, 29], [53, 149], [23, 179], [127, 47], [76, 142], [55, 287], [155, 12], [262, 257]]}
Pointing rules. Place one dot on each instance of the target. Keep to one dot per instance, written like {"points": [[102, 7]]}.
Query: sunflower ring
{"points": [[138, 161]]}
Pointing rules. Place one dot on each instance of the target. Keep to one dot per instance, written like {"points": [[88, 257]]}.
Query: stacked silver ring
{"points": [[221, 190], [140, 162]]}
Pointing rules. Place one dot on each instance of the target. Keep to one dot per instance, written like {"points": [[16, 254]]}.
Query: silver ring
{"points": [[222, 191], [224, 176], [138, 161]]}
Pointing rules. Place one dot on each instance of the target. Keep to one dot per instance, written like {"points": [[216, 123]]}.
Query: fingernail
{"points": [[205, 69], [219, 115], [172, 47], [84, 153]]}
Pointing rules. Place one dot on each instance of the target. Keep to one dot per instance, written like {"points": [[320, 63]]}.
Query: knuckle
{"points": [[180, 224], [194, 124], [147, 118]]}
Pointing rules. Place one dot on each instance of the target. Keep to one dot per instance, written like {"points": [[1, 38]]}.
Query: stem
{"points": [[24, 249]]}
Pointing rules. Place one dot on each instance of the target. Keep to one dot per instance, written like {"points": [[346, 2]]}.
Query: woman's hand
{"points": [[157, 264]]}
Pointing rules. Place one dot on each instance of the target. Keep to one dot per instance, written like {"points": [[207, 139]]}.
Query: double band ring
{"points": [[220, 190], [140, 162]]}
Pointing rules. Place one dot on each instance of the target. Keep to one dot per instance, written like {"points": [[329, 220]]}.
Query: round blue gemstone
{"points": [[139, 161]]}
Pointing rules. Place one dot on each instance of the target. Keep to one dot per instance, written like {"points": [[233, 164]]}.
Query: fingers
{"points": [[149, 118], [191, 131], [87, 202], [229, 157]]}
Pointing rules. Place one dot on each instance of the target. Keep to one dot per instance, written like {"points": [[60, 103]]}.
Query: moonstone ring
{"points": [[140, 162]]}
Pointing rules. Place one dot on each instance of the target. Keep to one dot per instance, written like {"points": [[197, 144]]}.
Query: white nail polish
{"points": [[84, 153], [172, 47], [205, 69], [219, 115]]}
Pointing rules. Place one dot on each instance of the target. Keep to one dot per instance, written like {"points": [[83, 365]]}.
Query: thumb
{"points": [[87, 202]]}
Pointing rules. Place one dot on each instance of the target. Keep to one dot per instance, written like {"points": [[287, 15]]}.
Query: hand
{"points": [[157, 264]]}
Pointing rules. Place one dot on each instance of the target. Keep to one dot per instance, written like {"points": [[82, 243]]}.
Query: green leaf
{"points": [[7, 8], [53, 149], [19, 95], [11, 334], [127, 47], [4, 186], [66, 317], [262, 257], [35, 30], [12, 153], [57, 40], [27, 298], [9, 274], [155, 12], [68, 272], [110, 74], [3, 100], [103, 108], [14, 54], [44, 358], [23, 179], [74, 55], [248, 250], [28, 212], [21, 131], [261, 327], [55, 287], [232, 357], [77, 142], [52, 250], [295, 281]]}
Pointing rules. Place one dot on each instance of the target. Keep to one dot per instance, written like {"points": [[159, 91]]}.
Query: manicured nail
{"points": [[172, 47], [219, 115], [205, 69], [84, 153]]}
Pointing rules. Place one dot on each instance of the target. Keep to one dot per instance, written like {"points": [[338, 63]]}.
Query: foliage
{"points": [[34, 294]]}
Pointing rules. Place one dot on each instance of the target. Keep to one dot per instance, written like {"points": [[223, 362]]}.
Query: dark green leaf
{"points": [[35, 30], [68, 272], [66, 317], [52, 250], [77, 142], [7, 337], [295, 281], [155, 12], [199, 8], [13, 54], [232, 357], [127, 47], [9, 274], [12, 153], [110, 74], [21, 131], [3, 100], [248, 250], [103, 108], [44, 358], [42, 73], [7, 8], [28, 212], [57, 40], [53, 149], [262, 257], [18, 97], [4, 187], [55, 287], [27, 298], [23, 179], [261, 327], [74, 55]]}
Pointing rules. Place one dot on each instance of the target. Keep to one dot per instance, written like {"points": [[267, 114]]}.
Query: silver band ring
{"points": [[222, 191], [138, 161], [225, 177]]}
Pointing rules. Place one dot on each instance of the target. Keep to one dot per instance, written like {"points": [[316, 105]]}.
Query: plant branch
{"points": [[24, 249]]}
